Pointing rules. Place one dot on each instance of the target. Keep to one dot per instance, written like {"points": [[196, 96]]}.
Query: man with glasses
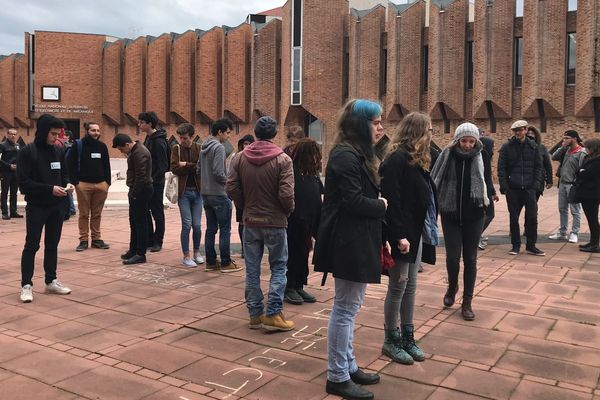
{"points": [[521, 176], [8, 165]]}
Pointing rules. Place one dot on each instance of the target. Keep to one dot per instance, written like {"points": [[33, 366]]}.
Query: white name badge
{"points": [[55, 165], [96, 155]]}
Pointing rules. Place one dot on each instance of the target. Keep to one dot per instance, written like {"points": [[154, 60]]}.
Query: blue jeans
{"points": [[564, 207], [255, 240], [349, 297], [190, 209], [218, 217]]}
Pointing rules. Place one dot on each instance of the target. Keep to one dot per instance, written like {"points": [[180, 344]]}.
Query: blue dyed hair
{"points": [[366, 108]]}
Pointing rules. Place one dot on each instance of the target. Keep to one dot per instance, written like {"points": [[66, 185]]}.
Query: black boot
{"points": [[408, 342], [348, 390], [467, 312], [363, 378], [450, 296]]}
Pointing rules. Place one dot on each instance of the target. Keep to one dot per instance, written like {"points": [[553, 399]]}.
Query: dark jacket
{"points": [[191, 157], [158, 147], [262, 183], [520, 166], [587, 183], [9, 152], [547, 163], [308, 191], [94, 163], [139, 168], [349, 238], [407, 189]]}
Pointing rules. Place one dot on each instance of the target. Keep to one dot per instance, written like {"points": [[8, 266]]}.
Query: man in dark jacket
{"points": [[157, 145], [139, 181], [490, 210], [89, 170], [8, 165], [521, 176], [42, 178], [262, 179]]}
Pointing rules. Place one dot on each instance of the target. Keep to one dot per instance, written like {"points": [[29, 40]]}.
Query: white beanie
{"points": [[466, 129]]}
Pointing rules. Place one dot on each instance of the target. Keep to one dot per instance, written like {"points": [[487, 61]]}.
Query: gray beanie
{"points": [[466, 129], [265, 128]]}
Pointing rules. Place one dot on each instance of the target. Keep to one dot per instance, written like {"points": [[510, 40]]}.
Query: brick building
{"points": [[490, 62]]}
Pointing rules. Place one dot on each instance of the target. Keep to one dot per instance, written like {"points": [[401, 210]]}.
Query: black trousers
{"points": [[298, 238], [49, 218], [490, 213], [138, 222], [462, 238], [590, 209], [9, 184], [156, 210], [516, 199]]}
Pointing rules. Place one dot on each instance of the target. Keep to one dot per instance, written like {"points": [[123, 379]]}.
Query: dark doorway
{"points": [[73, 126]]}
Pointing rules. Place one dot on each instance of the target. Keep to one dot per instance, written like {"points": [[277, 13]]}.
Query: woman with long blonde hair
{"points": [[411, 229]]}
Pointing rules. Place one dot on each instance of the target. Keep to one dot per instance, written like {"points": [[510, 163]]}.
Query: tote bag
{"points": [[172, 185]]}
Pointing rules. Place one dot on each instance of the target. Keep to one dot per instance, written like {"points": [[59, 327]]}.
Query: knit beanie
{"points": [[265, 128], [466, 129]]}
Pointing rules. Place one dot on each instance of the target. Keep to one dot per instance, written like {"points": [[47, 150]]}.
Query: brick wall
{"points": [[266, 70], [182, 84], [134, 76], [112, 88], [209, 50], [157, 77], [236, 73]]}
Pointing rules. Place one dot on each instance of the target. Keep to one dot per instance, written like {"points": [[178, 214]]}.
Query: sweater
{"points": [[94, 164]]}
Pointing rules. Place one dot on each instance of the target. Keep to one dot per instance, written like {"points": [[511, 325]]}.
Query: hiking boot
{"points": [[573, 238], [307, 297], [293, 297], [277, 322], [348, 390], [55, 287], [392, 347], [558, 236], [100, 244], [26, 294], [465, 309], [83, 245], [515, 250], [362, 378], [231, 267], [534, 251], [212, 267], [256, 322], [408, 342], [450, 296]]}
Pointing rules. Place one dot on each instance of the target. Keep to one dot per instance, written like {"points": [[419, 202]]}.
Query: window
{"points": [[518, 61], [425, 69], [383, 65], [297, 53], [519, 10], [572, 6], [315, 130], [469, 56], [571, 57]]}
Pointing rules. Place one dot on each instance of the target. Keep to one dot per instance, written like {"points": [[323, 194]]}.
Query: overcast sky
{"points": [[121, 18]]}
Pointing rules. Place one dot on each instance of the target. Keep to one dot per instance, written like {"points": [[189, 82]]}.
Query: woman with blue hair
{"points": [[349, 239]]}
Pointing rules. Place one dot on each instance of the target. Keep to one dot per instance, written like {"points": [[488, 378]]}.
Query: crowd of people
{"points": [[374, 215]]}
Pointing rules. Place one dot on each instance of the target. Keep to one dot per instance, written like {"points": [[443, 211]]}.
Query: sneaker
{"points": [[293, 297], [5, 216], [573, 238], [212, 267], [55, 287], [100, 244], [156, 248], [590, 249], [198, 259], [27, 294], [256, 322], [83, 245], [188, 262], [535, 251], [127, 255], [231, 267], [15, 215], [558, 236], [515, 250], [277, 322], [483, 242]]}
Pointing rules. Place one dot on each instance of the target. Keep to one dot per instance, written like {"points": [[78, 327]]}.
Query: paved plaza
{"points": [[160, 331]]}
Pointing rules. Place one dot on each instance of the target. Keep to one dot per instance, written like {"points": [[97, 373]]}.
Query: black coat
{"points": [[587, 183], [407, 189], [93, 166], [159, 149], [349, 238], [9, 152], [520, 166]]}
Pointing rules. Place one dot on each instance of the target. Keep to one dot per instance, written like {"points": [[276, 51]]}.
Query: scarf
{"points": [[446, 180]]}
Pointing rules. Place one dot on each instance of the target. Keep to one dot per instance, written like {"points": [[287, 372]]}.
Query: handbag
{"points": [[386, 260], [172, 184]]}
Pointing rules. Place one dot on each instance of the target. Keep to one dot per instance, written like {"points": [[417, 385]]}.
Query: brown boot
{"points": [[467, 312]]}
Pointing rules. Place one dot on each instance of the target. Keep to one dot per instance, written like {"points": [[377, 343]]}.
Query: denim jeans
{"points": [[218, 217], [255, 240], [349, 297], [190, 209], [564, 207], [402, 287]]}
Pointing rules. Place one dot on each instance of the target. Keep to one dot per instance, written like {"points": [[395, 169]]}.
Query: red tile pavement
{"points": [[161, 331]]}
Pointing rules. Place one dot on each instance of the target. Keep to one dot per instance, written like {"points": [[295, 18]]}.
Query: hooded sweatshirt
{"points": [[158, 147], [212, 168], [40, 167], [262, 183], [93, 166]]}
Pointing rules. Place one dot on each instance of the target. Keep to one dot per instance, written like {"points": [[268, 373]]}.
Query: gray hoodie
{"points": [[212, 168]]}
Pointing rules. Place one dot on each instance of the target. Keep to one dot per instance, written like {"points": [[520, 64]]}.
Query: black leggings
{"points": [[462, 238], [590, 208]]}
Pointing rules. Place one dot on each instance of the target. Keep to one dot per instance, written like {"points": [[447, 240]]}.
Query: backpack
{"points": [[79, 145]]}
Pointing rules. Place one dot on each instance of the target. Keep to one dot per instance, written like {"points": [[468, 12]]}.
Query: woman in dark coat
{"points": [[304, 221], [463, 177], [410, 193], [349, 239], [588, 192]]}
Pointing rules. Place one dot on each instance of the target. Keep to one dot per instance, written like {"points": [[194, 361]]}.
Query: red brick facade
{"points": [[245, 72]]}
